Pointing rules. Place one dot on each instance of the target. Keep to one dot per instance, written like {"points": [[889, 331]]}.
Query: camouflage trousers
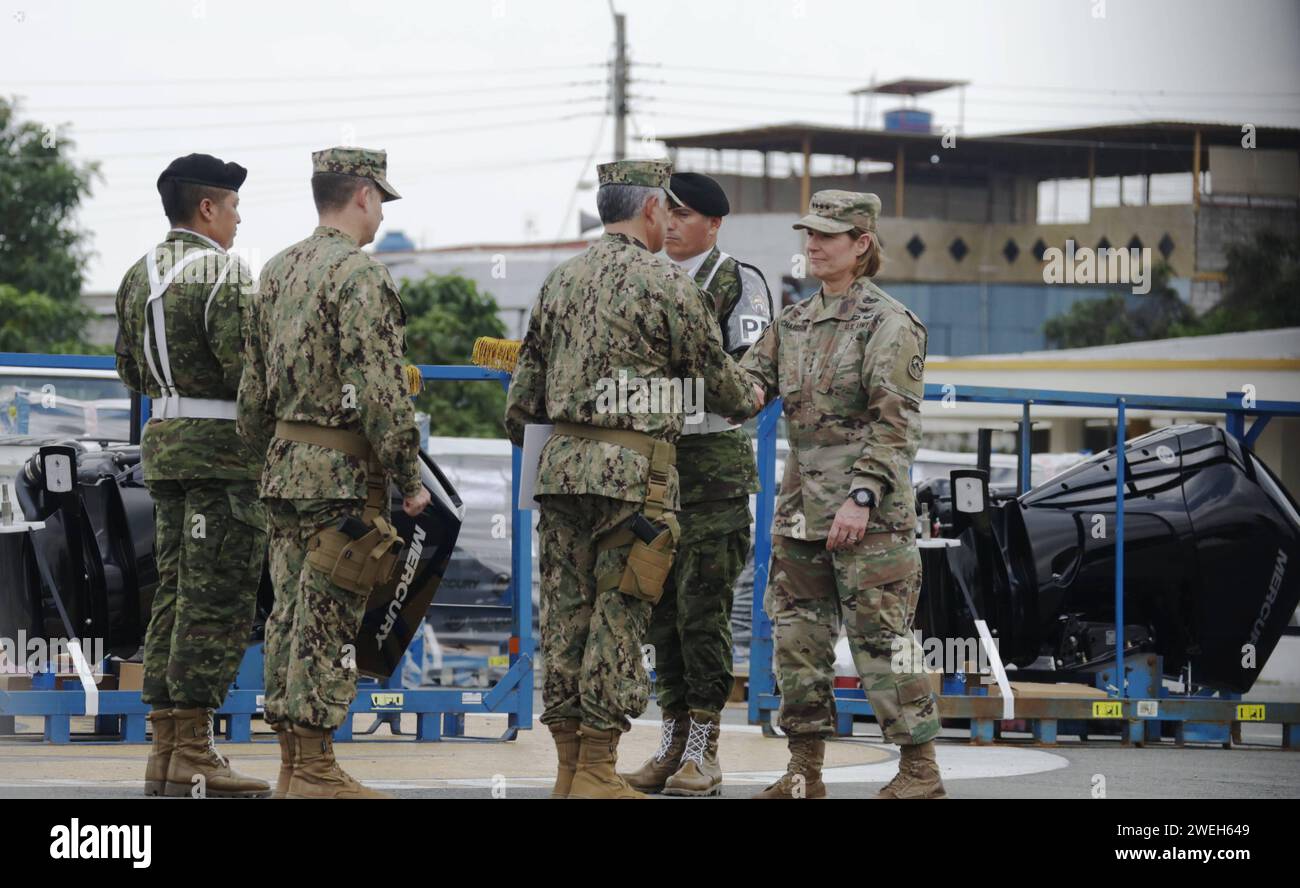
{"points": [[690, 630], [873, 590], [311, 675], [591, 641], [209, 544]]}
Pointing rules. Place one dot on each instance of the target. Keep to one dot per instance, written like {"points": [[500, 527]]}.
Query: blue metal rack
{"points": [[440, 712], [1200, 718]]}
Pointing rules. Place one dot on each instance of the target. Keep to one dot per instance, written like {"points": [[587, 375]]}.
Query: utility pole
{"points": [[620, 86]]}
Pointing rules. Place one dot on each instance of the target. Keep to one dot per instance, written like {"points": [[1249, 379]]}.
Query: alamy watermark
{"points": [[1107, 265], [638, 395], [24, 655]]}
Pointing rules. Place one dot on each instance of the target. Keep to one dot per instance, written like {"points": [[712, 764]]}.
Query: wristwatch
{"points": [[864, 498]]}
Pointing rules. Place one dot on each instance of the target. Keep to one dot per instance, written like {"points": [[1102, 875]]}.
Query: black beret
{"points": [[700, 193], [204, 169]]}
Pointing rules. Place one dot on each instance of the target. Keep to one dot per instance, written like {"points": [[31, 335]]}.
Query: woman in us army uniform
{"points": [[848, 364]]}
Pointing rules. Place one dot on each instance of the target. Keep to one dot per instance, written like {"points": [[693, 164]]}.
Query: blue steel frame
{"points": [[763, 699], [439, 712]]}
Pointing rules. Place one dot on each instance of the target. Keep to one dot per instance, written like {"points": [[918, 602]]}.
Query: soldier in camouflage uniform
{"points": [[323, 384], [848, 364], [181, 312], [690, 630], [607, 324]]}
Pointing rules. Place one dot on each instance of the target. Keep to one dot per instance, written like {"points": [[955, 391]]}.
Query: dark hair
{"points": [[332, 191], [181, 200]]}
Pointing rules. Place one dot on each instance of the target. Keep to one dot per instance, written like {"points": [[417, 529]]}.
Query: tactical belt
{"points": [[351, 443], [662, 456]]}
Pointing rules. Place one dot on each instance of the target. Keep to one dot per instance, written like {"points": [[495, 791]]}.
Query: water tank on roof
{"points": [[908, 120], [394, 242]]}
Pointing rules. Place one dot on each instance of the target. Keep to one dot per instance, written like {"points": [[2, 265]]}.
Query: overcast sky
{"points": [[490, 109]]}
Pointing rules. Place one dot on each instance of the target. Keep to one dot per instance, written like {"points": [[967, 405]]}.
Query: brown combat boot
{"points": [[197, 770], [803, 776], [288, 750], [700, 773], [565, 735], [596, 777], [652, 775], [918, 775], [316, 775], [160, 756]]}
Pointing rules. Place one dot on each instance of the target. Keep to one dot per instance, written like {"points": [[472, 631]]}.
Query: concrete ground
{"points": [[855, 767]]}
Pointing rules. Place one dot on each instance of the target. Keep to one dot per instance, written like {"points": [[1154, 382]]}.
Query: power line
{"points": [[1073, 103], [736, 72], [309, 78], [338, 118], [372, 97], [237, 149]]}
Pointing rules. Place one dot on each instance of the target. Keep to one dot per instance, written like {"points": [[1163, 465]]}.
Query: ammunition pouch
{"points": [[357, 565]]}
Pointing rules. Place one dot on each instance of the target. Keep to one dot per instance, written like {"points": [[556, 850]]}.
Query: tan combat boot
{"points": [[700, 773], [288, 750], [652, 775], [197, 770], [918, 775], [316, 775], [565, 735], [596, 777], [160, 756], [803, 776]]}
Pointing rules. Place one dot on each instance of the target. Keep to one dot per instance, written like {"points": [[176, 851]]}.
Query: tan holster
{"points": [[648, 564], [357, 565]]}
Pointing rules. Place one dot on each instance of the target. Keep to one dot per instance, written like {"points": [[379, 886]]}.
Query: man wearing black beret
{"points": [[181, 311], [691, 625]]}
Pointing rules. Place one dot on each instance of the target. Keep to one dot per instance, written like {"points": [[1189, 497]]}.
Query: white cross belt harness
{"points": [[173, 405]]}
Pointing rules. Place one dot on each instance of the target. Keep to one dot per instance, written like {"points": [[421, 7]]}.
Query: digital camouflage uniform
{"points": [[615, 309], [849, 370], [691, 626], [326, 350], [209, 527]]}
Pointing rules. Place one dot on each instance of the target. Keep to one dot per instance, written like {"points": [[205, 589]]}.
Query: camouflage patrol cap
{"points": [[650, 173], [362, 162], [835, 212]]}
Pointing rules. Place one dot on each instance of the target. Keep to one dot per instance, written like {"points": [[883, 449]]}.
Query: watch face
{"points": [[862, 497]]}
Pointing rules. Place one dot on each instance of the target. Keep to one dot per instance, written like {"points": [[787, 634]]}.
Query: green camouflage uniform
{"points": [[849, 370], [615, 309], [326, 349], [209, 528], [690, 629]]}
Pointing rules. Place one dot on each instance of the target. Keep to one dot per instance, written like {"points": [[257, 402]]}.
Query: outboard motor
{"points": [[96, 552], [1211, 540]]}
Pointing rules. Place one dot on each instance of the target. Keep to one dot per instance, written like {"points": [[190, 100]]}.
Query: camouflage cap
{"points": [[650, 173], [356, 162], [835, 212]]}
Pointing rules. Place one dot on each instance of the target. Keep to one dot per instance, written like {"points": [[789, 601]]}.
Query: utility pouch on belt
{"points": [[360, 563]]}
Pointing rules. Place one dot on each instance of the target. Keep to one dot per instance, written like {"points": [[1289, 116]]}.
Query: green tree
{"points": [[1119, 317], [1260, 293], [42, 252], [33, 322], [445, 314]]}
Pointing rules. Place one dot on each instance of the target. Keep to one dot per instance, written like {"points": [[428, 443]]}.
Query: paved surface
{"points": [[856, 767]]}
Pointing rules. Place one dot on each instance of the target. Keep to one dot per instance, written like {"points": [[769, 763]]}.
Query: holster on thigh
{"points": [[356, 555]]}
